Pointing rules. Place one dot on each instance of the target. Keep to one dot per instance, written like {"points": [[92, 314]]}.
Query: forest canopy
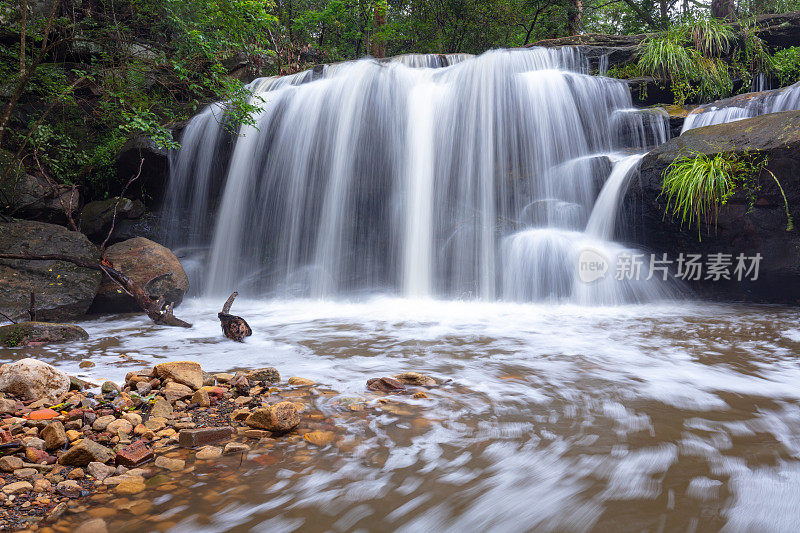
{"points": [[80, 78]]}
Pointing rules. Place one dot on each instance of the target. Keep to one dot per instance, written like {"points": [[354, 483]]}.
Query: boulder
{"points": [[739, 229], [96, 217], [37, 333], [36, 198], [33, 380], [63, 290], [154, 267]]}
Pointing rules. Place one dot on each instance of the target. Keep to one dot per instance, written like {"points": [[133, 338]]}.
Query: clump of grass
{"points": [[697, 185], [710, 37], [664, 56]]}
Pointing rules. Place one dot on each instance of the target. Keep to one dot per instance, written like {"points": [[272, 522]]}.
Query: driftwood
{"points": [[234, 327], [159, 311]]}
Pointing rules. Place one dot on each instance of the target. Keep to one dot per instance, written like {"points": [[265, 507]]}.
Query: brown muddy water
{"points": [[679, 417]]}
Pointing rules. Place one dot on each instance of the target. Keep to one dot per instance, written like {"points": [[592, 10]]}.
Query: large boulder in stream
{"points": [[96, 217], [33, 380], [63, 291], [154, 267], [739, 229], [34, 197]]}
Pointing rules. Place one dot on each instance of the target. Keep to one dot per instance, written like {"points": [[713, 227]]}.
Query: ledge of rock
{"points": [[36, 333], [739, 230], [34, 197], [154, 267], [96, 217], [63, 291]]}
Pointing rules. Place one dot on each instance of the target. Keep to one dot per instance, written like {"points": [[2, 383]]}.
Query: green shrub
{"points": [[787, 65], [697, 185]]}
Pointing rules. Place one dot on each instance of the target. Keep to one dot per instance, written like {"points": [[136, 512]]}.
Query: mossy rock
{"points": [[35, 333]]}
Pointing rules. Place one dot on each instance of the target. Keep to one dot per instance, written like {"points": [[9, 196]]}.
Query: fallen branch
{"points": [[234, 327], [160, 312], [116, 205]]}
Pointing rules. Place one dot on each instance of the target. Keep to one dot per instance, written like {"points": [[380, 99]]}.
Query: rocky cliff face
{"points": [[739, 229]]}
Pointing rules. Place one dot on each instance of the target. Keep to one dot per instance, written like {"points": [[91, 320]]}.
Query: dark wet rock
{"points": [[154, 169], [33, 380], [36, 333], [279, 418], [33, 197], [63, 290], [739, 229], [384, 384], [96, 217], [154, 267], [269, 374]]}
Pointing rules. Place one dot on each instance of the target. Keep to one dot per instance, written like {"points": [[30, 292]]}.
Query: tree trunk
{"points": [[723, 9], [574, 16], [378, 44]]}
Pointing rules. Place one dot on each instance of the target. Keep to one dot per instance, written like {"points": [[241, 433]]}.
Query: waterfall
{"points": [[425, 176], [744, 106]]}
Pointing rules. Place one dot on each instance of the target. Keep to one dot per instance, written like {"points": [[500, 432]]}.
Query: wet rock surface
{"points": [[63, 290], [36, 333], [739, 229]]}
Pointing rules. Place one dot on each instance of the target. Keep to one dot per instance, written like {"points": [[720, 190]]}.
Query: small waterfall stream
{"points": [[422, 176]]}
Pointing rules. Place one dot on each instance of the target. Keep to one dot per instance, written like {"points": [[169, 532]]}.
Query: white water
{"points": [[400, 178], [745, 106]]}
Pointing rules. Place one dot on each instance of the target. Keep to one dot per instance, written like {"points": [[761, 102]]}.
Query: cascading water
{"points": [[744, 106], [426, 176]]}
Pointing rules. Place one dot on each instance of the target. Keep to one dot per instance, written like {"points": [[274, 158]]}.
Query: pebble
{"points": [[17, 487], [129, 486], [173, 465], [208, 452]]}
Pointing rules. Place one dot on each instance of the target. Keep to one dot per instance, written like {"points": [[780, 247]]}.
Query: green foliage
{"points": [[665, 57], [132, 67], [12, 337], [710, 37], [787, 66], [697, 185]]}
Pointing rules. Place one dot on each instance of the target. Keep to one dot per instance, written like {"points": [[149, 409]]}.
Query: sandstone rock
{"points": [[201, 398], [155, 423], [129, 487], [300, 382], [109, 386], [134, 418], [102, 422], [100, 471], [419, 395], [85, 452], [235, 447], [176, 391], [269, 374], [120, 426], [279, 418], [42, 485], [416, 379], [54, 435], [154, 267], [161, 409], [320, 438], [17, 487], [37, 333], [63, 290], [10, 463], [7, 407], [208, 452], [32, 379], [69, 488], [95, 525], [384, 384], [173, 465], [187, 373]]}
